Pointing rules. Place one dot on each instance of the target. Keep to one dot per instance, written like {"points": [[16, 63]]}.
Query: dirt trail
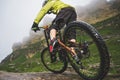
{"points": [[39, 76], [45, 76]]}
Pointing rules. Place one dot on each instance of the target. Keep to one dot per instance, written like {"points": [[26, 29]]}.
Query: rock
{"points": [[47, 76]]}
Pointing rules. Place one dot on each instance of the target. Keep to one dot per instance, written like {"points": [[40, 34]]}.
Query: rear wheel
{"points": [[59, 65], [91, 51]]}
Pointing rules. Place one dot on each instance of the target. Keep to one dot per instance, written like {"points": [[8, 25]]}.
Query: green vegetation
{"points": [[110, 30], [24, 60], [28, 59]]}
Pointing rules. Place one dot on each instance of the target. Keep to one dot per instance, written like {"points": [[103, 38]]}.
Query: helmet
{"points": [[45, 1]]}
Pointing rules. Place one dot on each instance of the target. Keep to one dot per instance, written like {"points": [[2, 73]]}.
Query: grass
{"points": [[109, 29]]}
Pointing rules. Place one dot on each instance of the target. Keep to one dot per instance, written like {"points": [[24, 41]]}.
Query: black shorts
{"points": [[65, 16]]}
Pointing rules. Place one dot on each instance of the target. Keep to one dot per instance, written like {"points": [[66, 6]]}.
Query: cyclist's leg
{"points": [[61, 19], [72, 18], [64, 17], [53, 34], [72, 37]]}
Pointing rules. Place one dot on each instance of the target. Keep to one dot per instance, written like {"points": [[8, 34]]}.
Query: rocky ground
{"points": [[38, 76], [45, 76]]}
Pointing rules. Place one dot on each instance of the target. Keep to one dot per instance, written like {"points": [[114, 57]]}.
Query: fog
{"points": [[17, 16]]}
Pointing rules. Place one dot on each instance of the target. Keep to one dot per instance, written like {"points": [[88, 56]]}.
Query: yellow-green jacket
{"points": [[52, 5]]}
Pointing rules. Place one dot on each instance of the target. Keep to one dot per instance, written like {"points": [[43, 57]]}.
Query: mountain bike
{"points": [[91, 50]]}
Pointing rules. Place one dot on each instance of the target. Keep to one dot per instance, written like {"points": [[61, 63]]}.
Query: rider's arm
{"points": [[43, 11]]}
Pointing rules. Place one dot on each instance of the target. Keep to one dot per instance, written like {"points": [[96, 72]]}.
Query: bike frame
{"points": [[101, 54], [46, 30]]}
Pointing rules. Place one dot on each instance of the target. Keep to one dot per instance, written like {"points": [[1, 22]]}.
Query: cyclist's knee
{"points": [[57, 27]]}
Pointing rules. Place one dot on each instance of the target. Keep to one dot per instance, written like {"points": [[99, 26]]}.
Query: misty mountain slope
{"points": [[98, 10], [23, 57], [28, 59], [95, 12], [26, 56]]}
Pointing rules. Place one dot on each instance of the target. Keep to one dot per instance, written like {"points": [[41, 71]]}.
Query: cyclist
{"points": [[64, 15]]}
